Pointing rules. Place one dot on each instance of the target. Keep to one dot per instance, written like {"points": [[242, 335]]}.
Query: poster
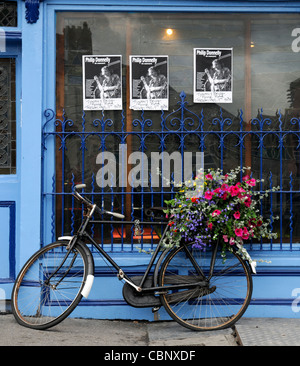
{"points": [[213, 75], [149, 82], [102, 82]]}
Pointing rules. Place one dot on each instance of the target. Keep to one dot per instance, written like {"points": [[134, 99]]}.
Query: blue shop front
{"points": [[59, 127]]}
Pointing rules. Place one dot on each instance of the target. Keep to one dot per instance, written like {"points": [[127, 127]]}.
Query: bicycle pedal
{"points": [[161, 292], [155, 309]]}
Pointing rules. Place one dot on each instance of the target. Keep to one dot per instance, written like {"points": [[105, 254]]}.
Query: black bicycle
{"points": [[197, 288]]}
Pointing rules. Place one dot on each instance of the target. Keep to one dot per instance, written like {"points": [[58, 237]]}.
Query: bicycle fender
{"points": [[67, 238], [90, 272], [246, 256], [90, 275], [88, 286]]}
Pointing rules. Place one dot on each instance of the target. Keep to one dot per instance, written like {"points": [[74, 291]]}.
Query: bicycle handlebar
{"points": [[90, 204]]}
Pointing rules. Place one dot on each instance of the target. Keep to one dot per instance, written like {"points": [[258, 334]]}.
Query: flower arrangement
{"points": [[217, 206]]}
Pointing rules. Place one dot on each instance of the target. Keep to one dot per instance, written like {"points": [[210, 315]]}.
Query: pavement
{"points": [[115, 333]]}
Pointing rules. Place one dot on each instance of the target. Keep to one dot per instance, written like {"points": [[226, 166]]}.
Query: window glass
{"points": [[7, 116], [147, 34], [126, 34], [8, 13], [275, 64]]}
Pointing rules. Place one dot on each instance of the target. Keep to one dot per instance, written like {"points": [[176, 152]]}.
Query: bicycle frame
{"points": [[82, 235], [122, 275]]}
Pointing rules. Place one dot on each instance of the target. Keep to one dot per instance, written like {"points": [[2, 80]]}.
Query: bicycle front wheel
{"points": [[223, 296], [47, 291]]}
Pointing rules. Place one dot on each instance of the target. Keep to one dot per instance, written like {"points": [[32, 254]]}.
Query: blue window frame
{"points": [[10, 129]]}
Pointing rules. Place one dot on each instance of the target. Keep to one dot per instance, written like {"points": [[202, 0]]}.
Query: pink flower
{"points": [[225, 187], [241, 193], [237, 215], [234, 190], [251, 182], [209, 176], [225, 238], [231, 241], [208, 195], [216, 213], [238, 232], [246, 177], [217, 190], [245, 235]]}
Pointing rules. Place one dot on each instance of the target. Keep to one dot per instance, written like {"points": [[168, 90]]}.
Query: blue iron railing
{"points": [[72, 153]]}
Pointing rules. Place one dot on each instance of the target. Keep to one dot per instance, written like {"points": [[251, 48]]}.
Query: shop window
{"points": [[8, 13]]}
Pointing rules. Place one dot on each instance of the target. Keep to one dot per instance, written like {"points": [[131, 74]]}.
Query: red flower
{"points": [[248, 201], [251, 223], [210, 225], [241, 195], [209, 176], [217, 190], [224, 196], [237, 215], [225, 187], [238, 232], [171, 223], [208, 195], [245, 234], [234, 190]]}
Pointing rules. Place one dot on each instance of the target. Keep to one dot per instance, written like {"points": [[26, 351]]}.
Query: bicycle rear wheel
{"points": [[44, 294], [217, 305]]}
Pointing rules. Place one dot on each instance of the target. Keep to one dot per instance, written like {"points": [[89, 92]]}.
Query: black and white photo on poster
{"points": [[213, 75], [149, 82], [102, 82]]}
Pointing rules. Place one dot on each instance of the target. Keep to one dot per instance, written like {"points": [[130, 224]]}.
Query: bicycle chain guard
{"points": [[138, 299]]}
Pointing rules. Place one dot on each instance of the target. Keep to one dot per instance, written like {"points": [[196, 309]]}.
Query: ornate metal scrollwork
{"points": [[32, 10]]}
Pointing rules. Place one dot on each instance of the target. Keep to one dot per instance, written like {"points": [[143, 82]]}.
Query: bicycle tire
{"points": [[216, 306], [38, 303]]}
